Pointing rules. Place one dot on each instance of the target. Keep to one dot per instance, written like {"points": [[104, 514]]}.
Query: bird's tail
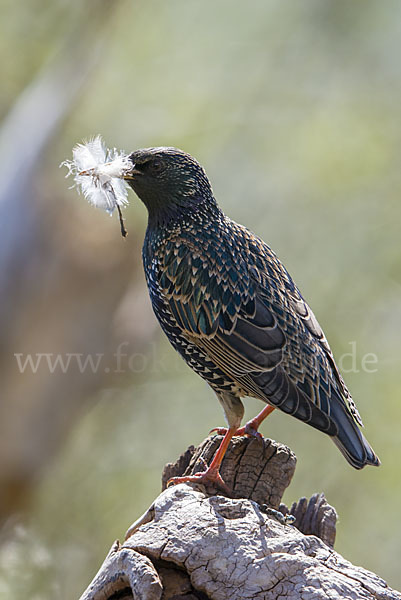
{"points": [[350, 440]]}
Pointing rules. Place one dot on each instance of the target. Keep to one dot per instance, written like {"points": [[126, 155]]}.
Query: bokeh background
{"points": [[294, 110]]}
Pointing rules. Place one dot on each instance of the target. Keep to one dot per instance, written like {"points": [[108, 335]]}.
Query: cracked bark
{"points": [[197, 543]]}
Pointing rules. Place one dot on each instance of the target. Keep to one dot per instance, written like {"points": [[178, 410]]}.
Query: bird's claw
{"points": [[219, 430], [207, 478], [249, 429]]}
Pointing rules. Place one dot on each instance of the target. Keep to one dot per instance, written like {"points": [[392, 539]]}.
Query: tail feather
{"points": [[349, 438]]}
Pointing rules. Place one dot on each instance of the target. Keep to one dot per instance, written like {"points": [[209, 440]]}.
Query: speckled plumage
{"points": [[230, 308]]}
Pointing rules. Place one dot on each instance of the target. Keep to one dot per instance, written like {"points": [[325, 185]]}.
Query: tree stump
{"points": [[198, 543]]}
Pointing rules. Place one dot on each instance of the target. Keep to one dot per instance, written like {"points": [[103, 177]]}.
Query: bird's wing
{"points": [[232, 297], [205, 290], [272, 274], [305, 313]]}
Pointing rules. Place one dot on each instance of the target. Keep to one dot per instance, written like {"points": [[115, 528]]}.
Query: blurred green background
{"points": [[294, 110]]}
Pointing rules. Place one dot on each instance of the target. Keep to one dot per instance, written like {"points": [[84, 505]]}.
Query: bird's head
{"points": [[170, 182]]}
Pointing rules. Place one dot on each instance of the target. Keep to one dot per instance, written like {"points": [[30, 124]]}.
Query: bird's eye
{"points": [[155, 166]]}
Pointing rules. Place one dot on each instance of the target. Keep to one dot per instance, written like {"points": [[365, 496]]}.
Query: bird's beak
{"points": [[132, 173]]}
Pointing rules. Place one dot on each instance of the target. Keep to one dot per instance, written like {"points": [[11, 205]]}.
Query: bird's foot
{"points": [[209, 477], [250, 429]]}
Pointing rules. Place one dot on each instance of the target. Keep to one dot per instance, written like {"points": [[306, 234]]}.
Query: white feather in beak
{"points": [[98, 172]]}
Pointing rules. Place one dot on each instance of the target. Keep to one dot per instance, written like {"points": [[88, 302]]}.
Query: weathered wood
{"points": [[314, 517], [195, 544]]}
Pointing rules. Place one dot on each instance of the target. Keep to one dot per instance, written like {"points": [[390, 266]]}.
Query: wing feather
{"points": [[237, 304]]}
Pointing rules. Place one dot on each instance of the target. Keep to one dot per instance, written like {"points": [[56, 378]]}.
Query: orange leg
{"points": [[211, 475], [251, 428]]}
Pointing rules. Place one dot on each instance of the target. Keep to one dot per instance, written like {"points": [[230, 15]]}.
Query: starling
{"points": [[232, 311]]}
